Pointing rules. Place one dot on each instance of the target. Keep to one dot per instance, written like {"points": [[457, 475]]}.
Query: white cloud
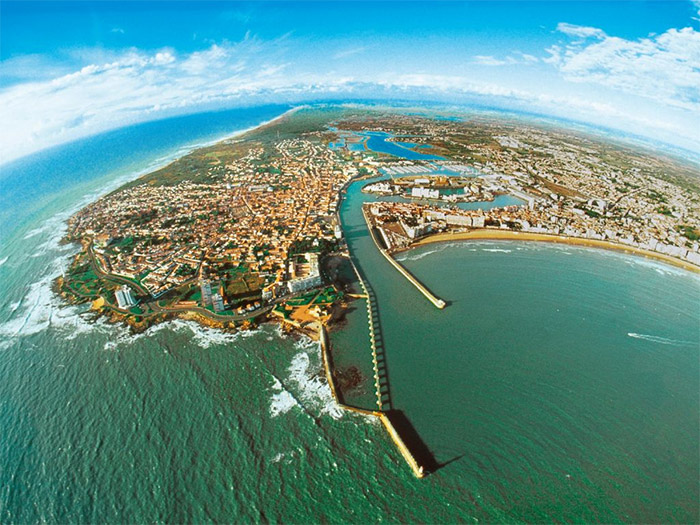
{"points": [[665, 67], [517, 58], [580, 31], [488, 60], [117, 88], [349, 52], [696, 3]]}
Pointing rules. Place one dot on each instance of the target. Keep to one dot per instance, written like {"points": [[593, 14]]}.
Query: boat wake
{"points": [[661, 340]]}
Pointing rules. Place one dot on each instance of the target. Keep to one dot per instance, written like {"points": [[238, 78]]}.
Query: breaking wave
{"points": [[496, 250], [304, 386], [418, 256], [282, 400], [41, 309]]}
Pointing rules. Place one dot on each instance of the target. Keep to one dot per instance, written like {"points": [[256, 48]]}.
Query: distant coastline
{"points": [[507, 235]]}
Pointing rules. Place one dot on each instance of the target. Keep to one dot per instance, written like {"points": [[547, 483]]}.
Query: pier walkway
{"points": [[439, 303], [381, 375]]}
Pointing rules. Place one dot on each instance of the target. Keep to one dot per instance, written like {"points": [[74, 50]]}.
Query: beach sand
{"points": [[488, 234]]}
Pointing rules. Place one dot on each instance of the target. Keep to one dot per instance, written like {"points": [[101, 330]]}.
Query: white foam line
{"points": [[54, 223], [661, 340]]}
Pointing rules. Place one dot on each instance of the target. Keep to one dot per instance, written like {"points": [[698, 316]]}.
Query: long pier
{"points": [[418, 470], [437, 302], [372, 337]]}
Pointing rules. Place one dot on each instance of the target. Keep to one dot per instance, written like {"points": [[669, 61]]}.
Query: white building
{"points": [[124, 298], [418, 230], [217, 302], [458, 220], [303, 280], [425, 193], [304, 283]]}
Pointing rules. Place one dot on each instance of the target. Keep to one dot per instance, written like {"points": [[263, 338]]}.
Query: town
{"points": [[241, 229]]}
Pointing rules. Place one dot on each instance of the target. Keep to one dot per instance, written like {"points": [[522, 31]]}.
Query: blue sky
{"points": [[69, 70]]}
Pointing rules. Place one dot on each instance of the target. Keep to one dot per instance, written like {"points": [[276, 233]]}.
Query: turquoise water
{"points": [[378, 141], [565, 379], [560, 384]]}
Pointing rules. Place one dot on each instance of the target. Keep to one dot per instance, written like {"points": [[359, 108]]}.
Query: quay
{"points": [[418, 470], [439, 303]]}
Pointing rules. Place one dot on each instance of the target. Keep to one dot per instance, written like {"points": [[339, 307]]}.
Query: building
{"points": [[418, 230], [425, 193], [304, 283], [124, 298], [217, 302], [304, 275], [274, 290], [458, 220], [205, 287]]}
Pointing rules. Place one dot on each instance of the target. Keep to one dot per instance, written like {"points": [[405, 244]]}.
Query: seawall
{"points": [[439, 303], [418, 470]]}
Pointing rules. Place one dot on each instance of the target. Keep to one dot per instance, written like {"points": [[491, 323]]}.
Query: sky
{"points": [[69, 70]]}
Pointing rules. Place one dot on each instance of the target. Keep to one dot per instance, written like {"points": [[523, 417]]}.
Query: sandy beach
{"points": [[488, 234]]}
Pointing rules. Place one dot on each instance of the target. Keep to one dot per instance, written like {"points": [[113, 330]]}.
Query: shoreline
{"points": [[507, 235], [110, 185], [389, 256]]}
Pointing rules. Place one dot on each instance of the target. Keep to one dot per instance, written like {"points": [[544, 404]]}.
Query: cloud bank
{"points": [[664, 68], [122, 87]]}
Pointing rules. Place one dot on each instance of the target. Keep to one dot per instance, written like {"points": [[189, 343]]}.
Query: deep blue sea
{"points": [[561, 384]]}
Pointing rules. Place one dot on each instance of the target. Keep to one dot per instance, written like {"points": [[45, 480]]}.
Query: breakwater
{"points": [[385, 417], [439, 303], [410, 458], [372, 337]]}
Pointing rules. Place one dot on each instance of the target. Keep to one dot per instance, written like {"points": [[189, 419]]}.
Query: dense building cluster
{"points": [[266, 206], [249, 214]]}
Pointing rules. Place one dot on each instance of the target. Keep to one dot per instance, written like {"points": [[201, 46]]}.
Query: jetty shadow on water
{"points": [[374, 319], [415, 444], [379, 348]]}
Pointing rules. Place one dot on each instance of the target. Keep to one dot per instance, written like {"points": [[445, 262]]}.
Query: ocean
{"points": [[561, 383]]}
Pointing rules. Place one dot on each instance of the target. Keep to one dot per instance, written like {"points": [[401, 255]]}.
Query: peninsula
{"points": [[248, 230]]}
